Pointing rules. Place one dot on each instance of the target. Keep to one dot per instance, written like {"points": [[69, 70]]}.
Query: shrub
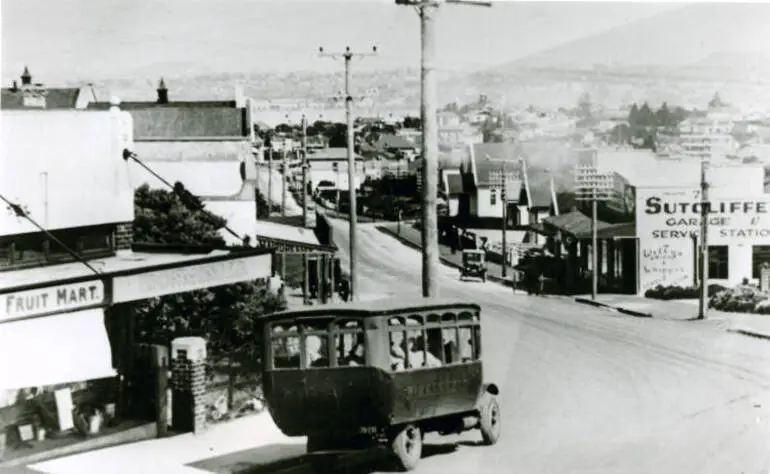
{"points": [[741, 299], [675, 292]]}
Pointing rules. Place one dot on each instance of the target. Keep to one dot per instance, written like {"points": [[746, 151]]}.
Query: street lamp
{"points": [[590, 185], [499, 180]]}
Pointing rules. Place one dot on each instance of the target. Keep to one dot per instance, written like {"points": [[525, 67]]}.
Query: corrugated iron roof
{"points": [[184, 119], [55, 98], [574, 222]]}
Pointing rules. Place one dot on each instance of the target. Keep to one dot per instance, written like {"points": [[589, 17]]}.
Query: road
{"points": [[586, 390]]}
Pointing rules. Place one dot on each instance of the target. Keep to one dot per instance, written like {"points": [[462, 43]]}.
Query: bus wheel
{"points": [[407, 446], [489, 422]]}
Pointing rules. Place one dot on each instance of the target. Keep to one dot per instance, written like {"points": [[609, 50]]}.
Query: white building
{"points": [[668, 220], [708, 138]]}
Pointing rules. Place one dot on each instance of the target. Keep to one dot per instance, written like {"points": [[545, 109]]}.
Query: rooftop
{"points": [[380, 307]]}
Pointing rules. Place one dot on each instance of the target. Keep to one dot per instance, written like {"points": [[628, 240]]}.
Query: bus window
{"points": [[351, 350], [435, 342], [286, 352], [465, 317], [477, 342], [316, 350], [465, 336], [396, 322], [397, 350], [450, 346], [433, 318], [349, 324], [448, 318]]}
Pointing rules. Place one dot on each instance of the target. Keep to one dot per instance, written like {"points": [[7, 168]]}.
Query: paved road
{"points": [[589, 391]]}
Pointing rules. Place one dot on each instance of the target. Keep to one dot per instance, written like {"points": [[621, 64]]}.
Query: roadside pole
{"points": [[348, 56], [704, 249], [427, 10]]}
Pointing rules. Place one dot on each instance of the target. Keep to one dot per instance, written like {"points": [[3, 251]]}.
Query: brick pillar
{"points": [[188, 380], [124, 236]]}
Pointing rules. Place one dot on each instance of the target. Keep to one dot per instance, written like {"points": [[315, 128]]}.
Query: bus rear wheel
{"points": [[407, 447]]}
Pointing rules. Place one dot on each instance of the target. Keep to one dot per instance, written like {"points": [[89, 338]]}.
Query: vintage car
{"points": [[474, 264], [380, 373]]}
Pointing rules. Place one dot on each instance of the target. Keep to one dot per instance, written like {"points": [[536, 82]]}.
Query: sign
{"points": [[53, 299], [623, 196], [668, 226], [193, 276]]}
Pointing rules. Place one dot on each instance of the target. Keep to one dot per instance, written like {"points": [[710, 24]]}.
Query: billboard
{"points": [[668, 226], [66, 168]]}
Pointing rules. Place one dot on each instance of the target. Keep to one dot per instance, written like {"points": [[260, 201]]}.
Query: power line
{"points": [[348, 56], [20, 211]]}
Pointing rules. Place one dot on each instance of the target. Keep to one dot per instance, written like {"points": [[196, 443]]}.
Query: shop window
{"points": [[492, 197], [760, 254], [718, 262], [35, 249]]}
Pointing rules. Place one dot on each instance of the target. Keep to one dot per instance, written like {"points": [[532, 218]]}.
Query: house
{"points": [[36, 96], [330, 165], [203, 144], [397, 145]]}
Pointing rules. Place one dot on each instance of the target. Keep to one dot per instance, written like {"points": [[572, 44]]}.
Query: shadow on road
{"points": [[293, 458]]}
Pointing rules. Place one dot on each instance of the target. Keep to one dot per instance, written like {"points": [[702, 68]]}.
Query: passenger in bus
{"points": [[356, 356], [419, 357], [315, 357], [398, 355]]}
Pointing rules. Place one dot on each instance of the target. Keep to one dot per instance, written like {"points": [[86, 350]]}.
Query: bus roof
{"points": [[381, 307]]}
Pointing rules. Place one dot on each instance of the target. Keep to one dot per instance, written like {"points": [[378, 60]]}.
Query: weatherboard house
{"points": [[69, 271]]}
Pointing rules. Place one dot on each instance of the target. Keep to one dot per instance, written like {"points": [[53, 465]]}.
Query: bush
{"points": [[741, 299], [675, 292]]}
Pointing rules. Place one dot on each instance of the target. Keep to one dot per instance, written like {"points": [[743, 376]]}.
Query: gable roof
{"points": [[55, 98], [331, 154], [486, 159], [195, 119], [575, 223], [398, 142]]}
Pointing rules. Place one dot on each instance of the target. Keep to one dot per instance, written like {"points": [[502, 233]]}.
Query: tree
{"points": [[716, 101], [585, 106], [663, 116], [646, 117], [226, 315], [633, 116], [412, 122]]}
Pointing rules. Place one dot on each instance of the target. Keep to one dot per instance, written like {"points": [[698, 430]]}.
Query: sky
{"points": [[63, 40]]}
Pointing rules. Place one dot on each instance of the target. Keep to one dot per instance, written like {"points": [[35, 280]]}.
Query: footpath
{"points": [[741, 323], [412, 237]]}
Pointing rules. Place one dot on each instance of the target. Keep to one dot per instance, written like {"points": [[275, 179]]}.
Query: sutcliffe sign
{"points": [[728, 219], [53, 299]]}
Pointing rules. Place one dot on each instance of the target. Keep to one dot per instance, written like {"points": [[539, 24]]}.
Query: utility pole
{"points": [[284, 174], [270, 180], [501, 181], [591, 185], [305, 166], [428, 109], [348, 56], [704, 249]]}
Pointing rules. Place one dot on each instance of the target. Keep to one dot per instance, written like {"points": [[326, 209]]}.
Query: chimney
{"points": [[162, 92], [14, 86], [26, 77]]}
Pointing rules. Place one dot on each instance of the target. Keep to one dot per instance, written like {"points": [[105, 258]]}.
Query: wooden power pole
{"points": [[348, 56], [428, 109]]}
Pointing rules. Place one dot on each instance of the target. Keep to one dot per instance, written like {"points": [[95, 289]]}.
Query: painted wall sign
{"points": [[60, 298], [191, 277], [668, 226]]}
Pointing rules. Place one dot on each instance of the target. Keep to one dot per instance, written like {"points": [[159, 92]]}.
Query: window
{"points": [[493, 197], [286, 346], [350, 343], [718, 262], [36, 249], [315, 336], [760, 254]]}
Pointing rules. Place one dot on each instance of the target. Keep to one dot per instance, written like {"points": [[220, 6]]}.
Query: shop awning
{"points": [[49, 350]]}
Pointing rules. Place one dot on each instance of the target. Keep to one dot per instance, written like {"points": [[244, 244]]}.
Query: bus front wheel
{"points": [[407, 447]]}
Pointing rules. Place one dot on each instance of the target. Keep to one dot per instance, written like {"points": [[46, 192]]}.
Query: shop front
{"points": [[668, 223], [67, 346]]}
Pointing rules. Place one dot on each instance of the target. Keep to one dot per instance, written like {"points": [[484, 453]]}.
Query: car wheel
{"points": [[489, 422], [407, 446]]}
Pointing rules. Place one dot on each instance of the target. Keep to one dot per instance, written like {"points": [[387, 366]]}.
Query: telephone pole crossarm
{"points": [[348, 56]]}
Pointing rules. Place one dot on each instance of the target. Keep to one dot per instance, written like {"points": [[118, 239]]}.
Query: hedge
{"points": [[674, 292], [741, 299]]}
